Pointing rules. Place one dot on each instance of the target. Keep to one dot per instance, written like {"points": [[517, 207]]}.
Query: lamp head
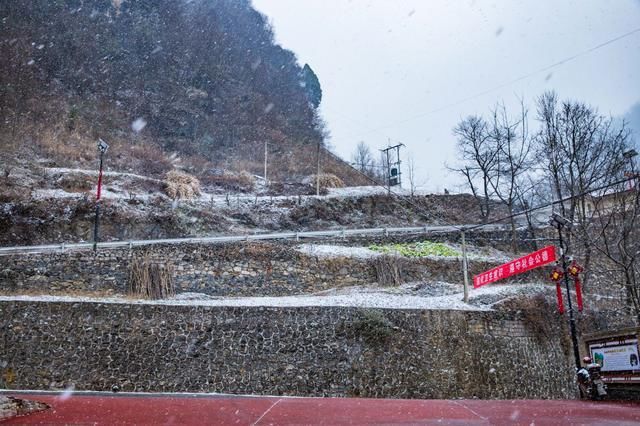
{"points": [[102, 146], [559, 220]]}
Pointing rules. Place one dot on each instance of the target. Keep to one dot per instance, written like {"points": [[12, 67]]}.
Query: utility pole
{"points": [[386, 151], [318, 172], [102, 147], [265, 163], [394, 175], [465, 268], [561, 222]]}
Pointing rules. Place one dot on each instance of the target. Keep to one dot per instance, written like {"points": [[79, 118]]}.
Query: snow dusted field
{"points": [[65, 170], [206, 198], [359, 191], [404, 297], [327, 250]]}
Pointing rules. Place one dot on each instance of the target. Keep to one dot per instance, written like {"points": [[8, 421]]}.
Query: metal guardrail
{"points": [[235, 238]]}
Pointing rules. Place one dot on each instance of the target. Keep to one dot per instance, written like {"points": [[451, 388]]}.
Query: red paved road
{"points": [[118, 409]]}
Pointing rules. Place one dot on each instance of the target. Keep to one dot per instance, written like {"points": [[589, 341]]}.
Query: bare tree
{"points": [[363, 160], [411, 172], [615, 233], [479, 157], [513, 160], [382, 169], [531, 191], [581, 150]]}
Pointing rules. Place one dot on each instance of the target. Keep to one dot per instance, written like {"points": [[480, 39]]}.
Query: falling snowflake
{"points": [[138, 125], [268, 108], [67, 393]]}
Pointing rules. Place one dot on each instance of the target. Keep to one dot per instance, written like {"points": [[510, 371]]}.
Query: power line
{"points": [[494, 221], [500, 86], [389, 191], [542, 206]]}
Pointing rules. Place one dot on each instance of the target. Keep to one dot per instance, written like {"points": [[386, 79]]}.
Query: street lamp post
{"points": [[561, 222], [102, 147]]}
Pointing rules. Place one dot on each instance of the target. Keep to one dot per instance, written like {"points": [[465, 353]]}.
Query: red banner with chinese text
{"points": [[523, 264]]}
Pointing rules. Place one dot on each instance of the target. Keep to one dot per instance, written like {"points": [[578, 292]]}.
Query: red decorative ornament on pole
{"points": [[575, 270], [556, 275]]}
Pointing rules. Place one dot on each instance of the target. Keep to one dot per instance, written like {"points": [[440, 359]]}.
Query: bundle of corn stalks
{"points": [[180, 185], [327, 180], [388, 270], [150, 280]]}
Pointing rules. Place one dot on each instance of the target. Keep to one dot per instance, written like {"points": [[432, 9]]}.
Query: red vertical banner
{"points": [[523, 264], [559, 295], [556, 276], [574, 271], [99, 185]]}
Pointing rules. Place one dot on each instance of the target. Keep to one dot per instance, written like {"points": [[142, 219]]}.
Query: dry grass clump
{"points": [[180, 185], [66, 146], [327, 180], [388, 270], [145, 158], [246, 179], [150, 280], [76, 182]]}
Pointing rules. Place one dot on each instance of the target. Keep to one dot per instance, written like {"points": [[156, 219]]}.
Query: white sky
{"points": [[403, 69]]}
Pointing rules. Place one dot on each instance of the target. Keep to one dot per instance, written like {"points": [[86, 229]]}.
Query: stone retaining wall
{"points": [[306, 351], [245, 269]]}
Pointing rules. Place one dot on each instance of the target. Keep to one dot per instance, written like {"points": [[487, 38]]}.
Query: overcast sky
{"points": [[409, 70]]}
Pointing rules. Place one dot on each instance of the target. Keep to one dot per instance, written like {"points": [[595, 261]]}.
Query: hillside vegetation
{"points": [[198, 84]]}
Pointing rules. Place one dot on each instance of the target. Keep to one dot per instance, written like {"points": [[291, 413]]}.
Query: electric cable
{"points": [[500, 86]]}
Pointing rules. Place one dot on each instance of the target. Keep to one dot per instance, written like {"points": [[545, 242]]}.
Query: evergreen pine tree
{"points": [[311, 85]]}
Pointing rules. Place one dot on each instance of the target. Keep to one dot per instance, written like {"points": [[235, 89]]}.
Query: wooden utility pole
{"points": [[396, 163], [318, 172], [465, 268], [265, 163]]}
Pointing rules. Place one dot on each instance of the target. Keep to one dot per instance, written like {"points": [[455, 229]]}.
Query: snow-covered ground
{"points": [[325, 250], [213, 199], [360, 191], [95, 173], [474, 253], [406, 297]]}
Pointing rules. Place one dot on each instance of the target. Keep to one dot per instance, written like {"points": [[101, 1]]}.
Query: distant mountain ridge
{"points": [[201, 78]]}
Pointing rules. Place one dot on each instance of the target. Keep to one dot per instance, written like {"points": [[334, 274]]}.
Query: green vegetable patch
{"points": [[422, 249]]}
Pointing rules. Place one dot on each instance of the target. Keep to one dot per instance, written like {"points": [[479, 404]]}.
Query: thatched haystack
{"points": [[181, 185]]}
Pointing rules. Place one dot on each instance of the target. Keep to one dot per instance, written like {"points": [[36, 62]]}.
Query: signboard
{"points": [[617, 355], [523, 264]]}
